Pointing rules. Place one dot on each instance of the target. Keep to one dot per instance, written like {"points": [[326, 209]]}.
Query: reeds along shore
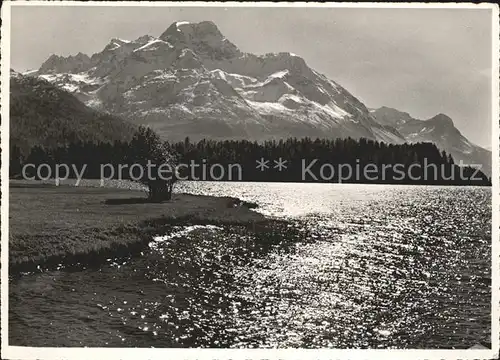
{"points": [[51, 225]]}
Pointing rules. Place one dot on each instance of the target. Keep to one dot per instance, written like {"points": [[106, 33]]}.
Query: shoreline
{"points": [[47, 227]]}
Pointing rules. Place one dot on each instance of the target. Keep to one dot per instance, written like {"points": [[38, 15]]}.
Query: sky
{"points": [[421, 61]]}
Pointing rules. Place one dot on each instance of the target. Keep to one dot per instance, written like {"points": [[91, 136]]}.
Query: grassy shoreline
{"points": [[51, 225]]}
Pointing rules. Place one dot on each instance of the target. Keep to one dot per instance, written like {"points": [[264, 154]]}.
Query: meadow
{"points": [[49, 224]]}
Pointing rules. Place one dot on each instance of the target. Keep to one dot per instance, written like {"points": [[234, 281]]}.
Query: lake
{"points": [[353, 266]]}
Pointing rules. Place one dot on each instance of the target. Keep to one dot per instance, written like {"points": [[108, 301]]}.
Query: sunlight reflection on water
{"points": [[356, 266]]}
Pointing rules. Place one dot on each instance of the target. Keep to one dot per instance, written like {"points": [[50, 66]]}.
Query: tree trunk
{"points": [[160, 191]]}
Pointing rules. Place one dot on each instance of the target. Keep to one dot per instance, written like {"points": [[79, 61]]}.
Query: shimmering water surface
{"points": [[353, 266]]}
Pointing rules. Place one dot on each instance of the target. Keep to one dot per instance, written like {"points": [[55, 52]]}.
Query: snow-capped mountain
{"points": [[192, 81], [439, 130]]}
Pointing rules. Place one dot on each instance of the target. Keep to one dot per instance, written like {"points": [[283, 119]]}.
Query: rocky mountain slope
{"points": [[43, 114], [439, 130], [192, 81]]}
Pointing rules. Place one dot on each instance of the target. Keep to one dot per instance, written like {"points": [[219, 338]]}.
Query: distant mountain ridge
{"points": [[439, 130], [44, 115]]}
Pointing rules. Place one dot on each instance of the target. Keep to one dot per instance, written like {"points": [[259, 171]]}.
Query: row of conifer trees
{"points": [[420, 163]]}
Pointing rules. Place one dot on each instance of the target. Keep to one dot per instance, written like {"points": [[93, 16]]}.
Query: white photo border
{"points": [[19, 352]]}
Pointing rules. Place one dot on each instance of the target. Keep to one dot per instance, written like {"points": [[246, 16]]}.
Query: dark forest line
{"points": [[306, 160]]}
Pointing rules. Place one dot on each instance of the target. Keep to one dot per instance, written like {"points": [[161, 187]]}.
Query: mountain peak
{"points": [[59, 64], [203, 38], [184, 28], [14, 73], [389, 116], [442, 118], [115, 43], [387, 109], [144, 39]]}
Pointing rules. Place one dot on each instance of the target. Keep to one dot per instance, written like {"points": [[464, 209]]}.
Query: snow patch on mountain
{"points": [[279, 74], [180, 23], [149, 46]]}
